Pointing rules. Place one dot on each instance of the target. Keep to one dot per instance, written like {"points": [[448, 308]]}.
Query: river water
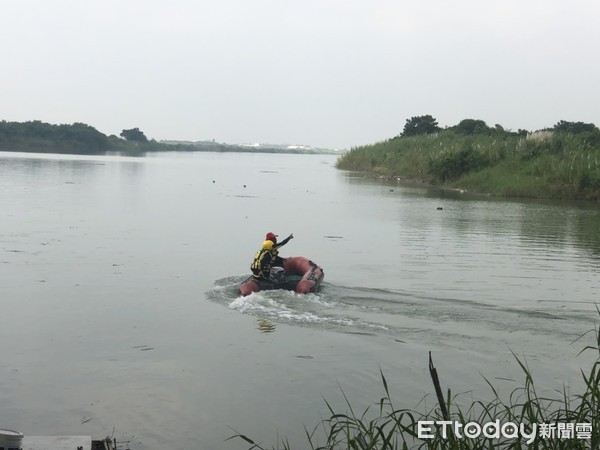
{"points": [[119, 311]]}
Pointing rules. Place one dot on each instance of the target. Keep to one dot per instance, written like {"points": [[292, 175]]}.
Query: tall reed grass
{"points": [[546, 164]]}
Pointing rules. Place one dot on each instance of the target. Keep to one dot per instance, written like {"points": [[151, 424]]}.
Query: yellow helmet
{"points": [[267, 245]]}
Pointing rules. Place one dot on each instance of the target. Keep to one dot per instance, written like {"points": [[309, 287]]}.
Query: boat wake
{"points": [[400, 314], [323, 309]]}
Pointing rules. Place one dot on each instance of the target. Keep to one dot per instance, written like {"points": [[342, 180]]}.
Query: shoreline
{"points": [[420, 182]]}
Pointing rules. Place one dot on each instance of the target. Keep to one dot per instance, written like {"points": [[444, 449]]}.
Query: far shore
{"points": [[82, 139], [550, 165]]}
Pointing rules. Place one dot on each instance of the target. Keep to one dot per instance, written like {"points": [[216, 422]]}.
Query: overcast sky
{"points": [[327, 73]]}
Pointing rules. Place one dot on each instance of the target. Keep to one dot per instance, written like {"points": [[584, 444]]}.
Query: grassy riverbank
{"points": [[545, 164]]}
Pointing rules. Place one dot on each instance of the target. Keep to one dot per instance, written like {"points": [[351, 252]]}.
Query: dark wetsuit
{"points": [[278, 260]]}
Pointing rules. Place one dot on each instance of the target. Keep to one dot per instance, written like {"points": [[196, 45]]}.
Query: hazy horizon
{"points": [[333, 74]]}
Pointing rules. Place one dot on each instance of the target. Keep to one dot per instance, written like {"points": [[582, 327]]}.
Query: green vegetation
{"points": [[79, 138], [420, 125], [44, 137], [560, 162], [134, 135], [385, 427]]}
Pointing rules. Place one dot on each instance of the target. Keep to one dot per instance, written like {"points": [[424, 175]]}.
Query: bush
{"points": [[472, 126], [420, 125], [574, 127], [452, 165]]}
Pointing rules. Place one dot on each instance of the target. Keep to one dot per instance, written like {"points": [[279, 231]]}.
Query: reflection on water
{"points": [[264, 326]]}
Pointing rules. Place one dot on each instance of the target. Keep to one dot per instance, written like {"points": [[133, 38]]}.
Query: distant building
{"points": [[255, 145]]}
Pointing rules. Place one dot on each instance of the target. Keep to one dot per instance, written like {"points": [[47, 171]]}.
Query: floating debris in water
{"points": [[304, 357], [334, 237], [439, 208], [143, 348]]}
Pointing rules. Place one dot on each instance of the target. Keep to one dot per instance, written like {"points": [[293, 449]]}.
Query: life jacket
{"points": [[260, 267]]}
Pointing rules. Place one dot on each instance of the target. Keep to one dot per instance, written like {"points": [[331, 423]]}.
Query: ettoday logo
{"points": [[429, 429]]}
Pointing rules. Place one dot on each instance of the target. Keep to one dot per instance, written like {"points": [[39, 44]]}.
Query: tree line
{"points": [[74, 138], [427, 124], [79, 138]]}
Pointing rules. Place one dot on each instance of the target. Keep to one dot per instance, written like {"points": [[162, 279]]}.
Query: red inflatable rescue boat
{"points": [[299, 274]]}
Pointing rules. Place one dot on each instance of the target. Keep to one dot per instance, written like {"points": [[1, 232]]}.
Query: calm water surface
{"points": [[119, 306]]}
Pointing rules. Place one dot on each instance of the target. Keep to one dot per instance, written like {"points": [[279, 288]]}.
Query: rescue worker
{"points": [[263, 261], [268, 256], [277, 260]]}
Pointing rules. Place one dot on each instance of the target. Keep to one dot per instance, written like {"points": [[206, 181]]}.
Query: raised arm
{"points": [[285, 241]]}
